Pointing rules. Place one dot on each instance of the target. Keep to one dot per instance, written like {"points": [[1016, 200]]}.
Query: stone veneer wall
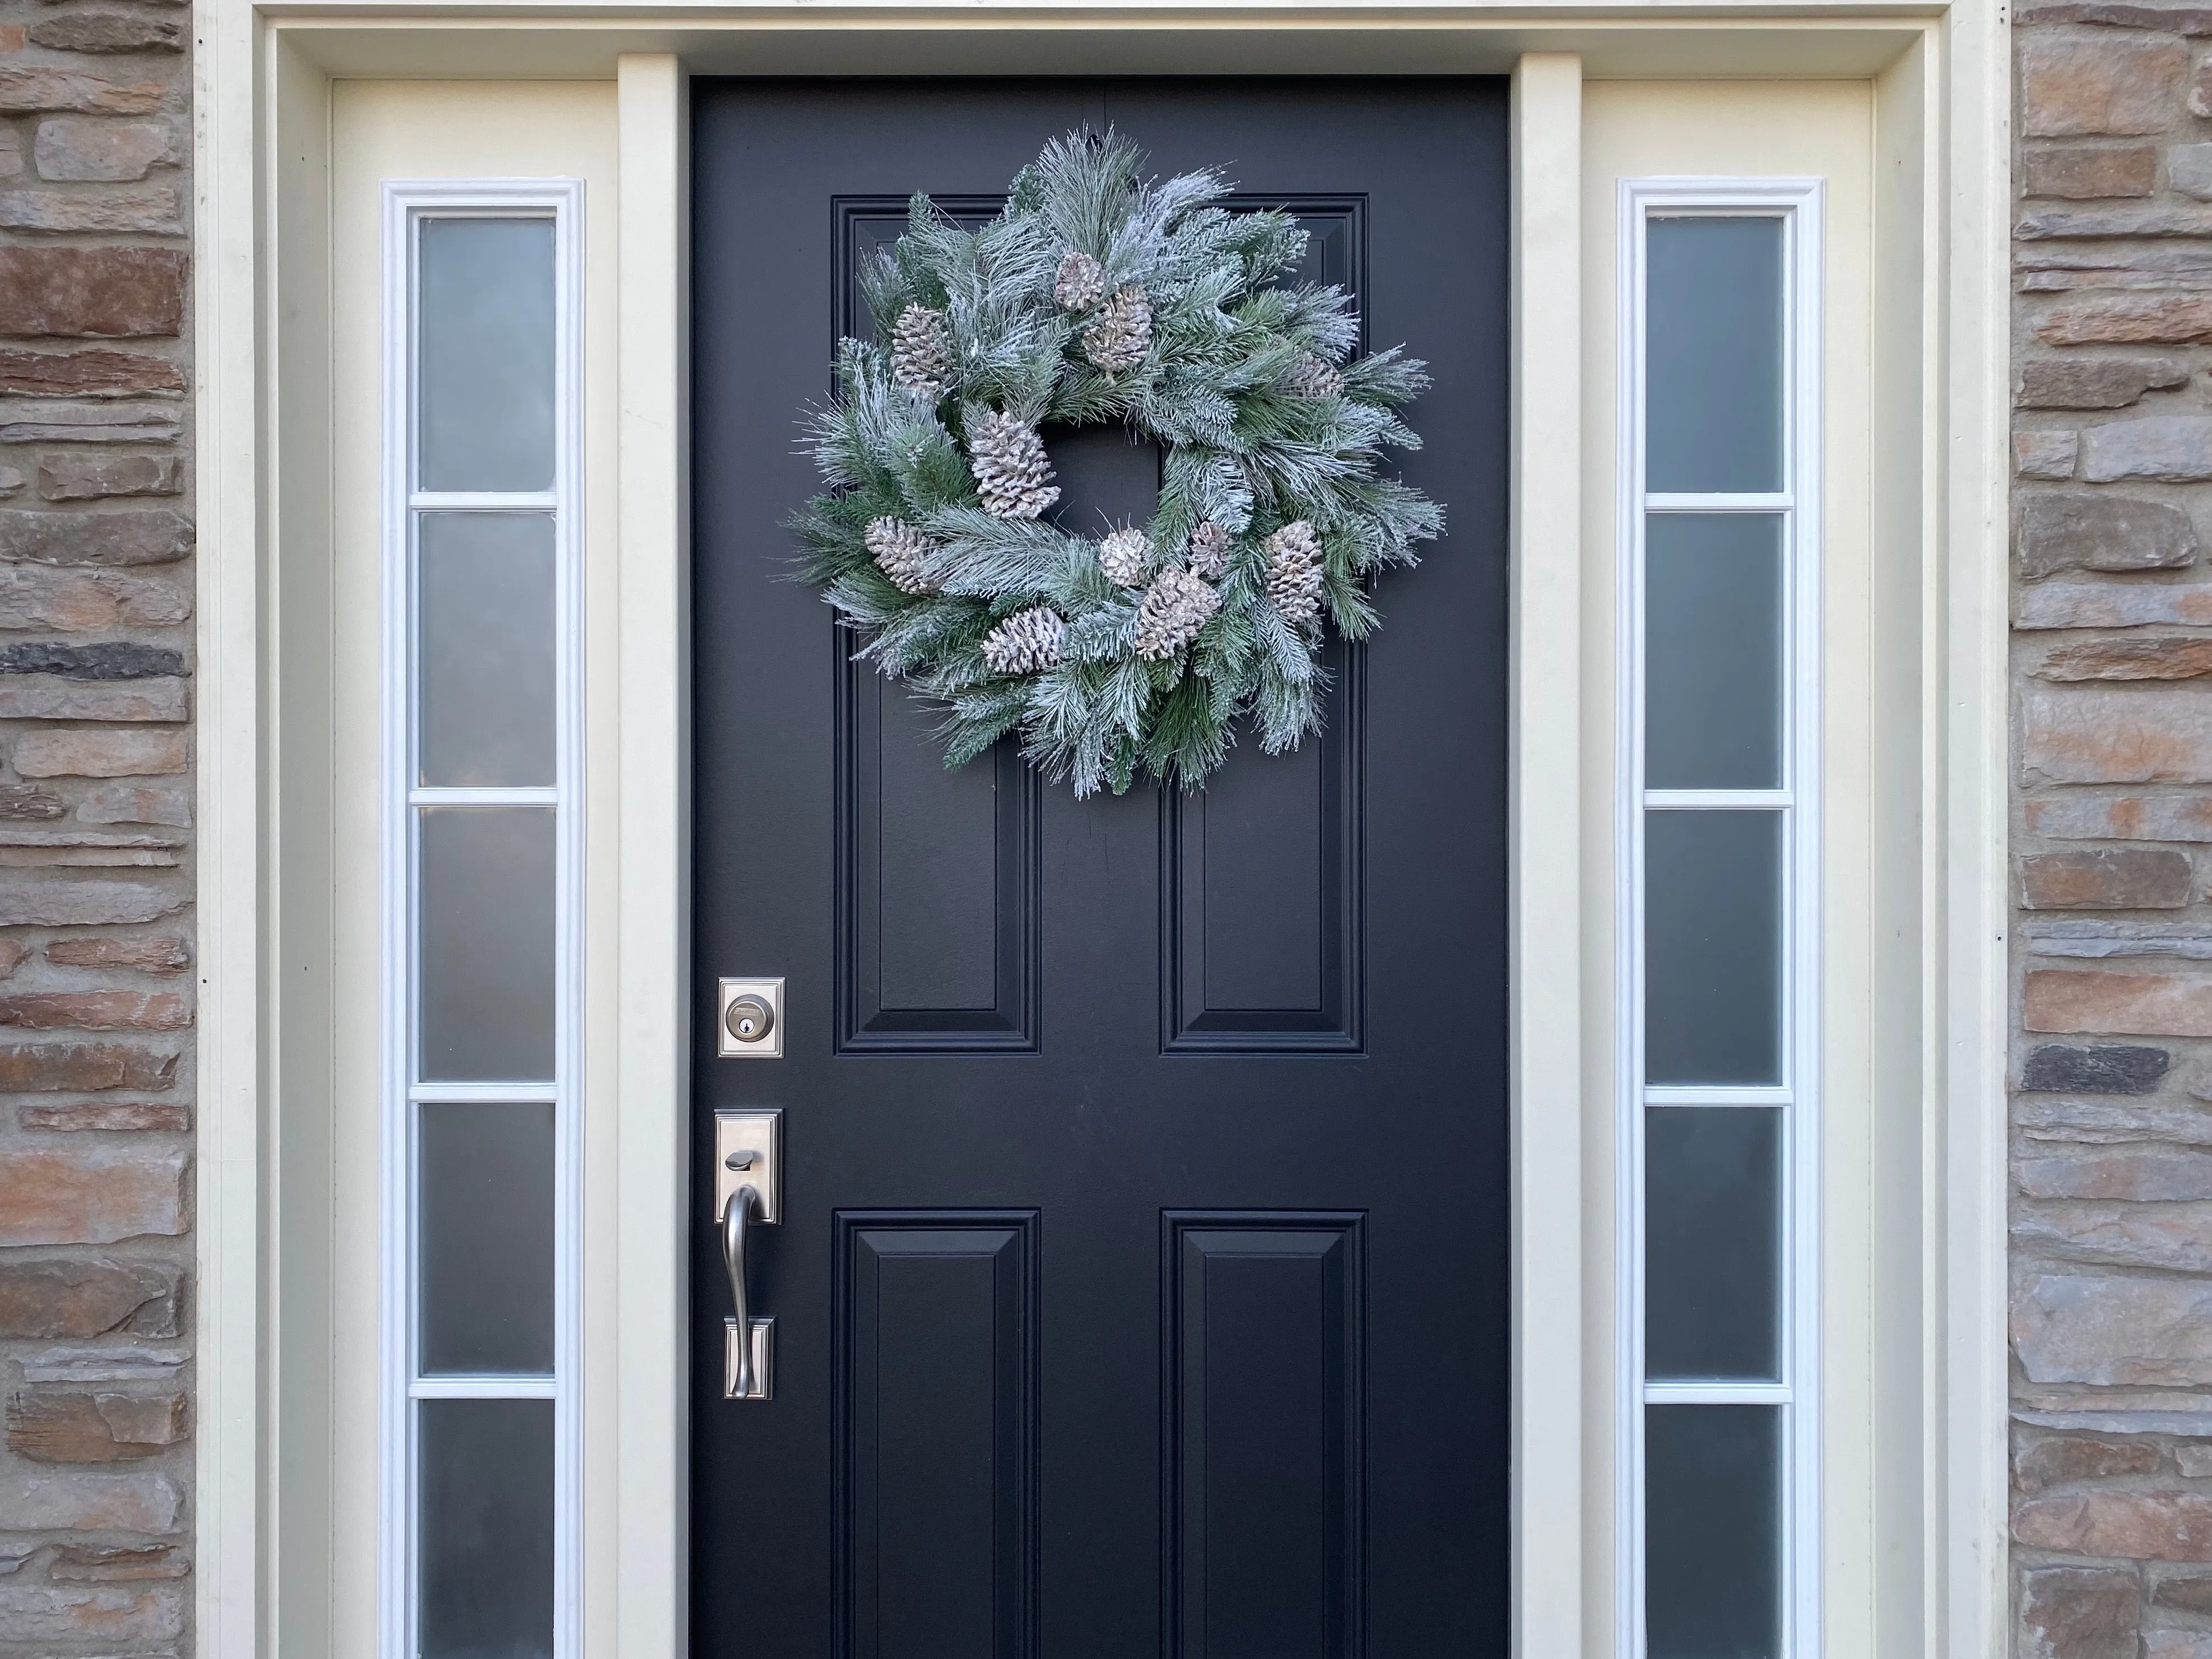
{"points": [[2112, 1145], [95, 824]]}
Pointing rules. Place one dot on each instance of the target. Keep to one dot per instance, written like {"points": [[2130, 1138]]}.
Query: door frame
{"points": [[267, 1543]]}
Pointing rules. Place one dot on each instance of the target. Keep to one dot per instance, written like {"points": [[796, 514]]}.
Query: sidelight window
{"points": [[480, 1425], [1719, 1422]]}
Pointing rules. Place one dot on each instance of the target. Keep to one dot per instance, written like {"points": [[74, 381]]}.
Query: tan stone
{"points": [[167, 955], [2128, 1525], [134, 1116], [2071, 86], [54, 1427], [73, 1500], [11, 36], [2159, 656], [56, 1612], [2151, 1174], [2112, 735], [82, 1068], [2078, 1612], [88, 601], [2174, 1237], [2111, 879], [96, 1010], [107, 31], [92, 754], [2063, 1460], [117, 1562], [95, 373], [153, 209], [80, 148], [135, 803], [76, 1298], [2082, 171], [2098, 1328], [2128, 319], [30, 87], [50, 698], [95, 1194], [110, 292], [79, 478], [2121, 817], [2190, 1594], [61, 903], [2128, 1005]]}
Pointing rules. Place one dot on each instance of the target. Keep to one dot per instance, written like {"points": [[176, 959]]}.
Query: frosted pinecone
{"points": [[1122, 332], [1294, 571], [1081, 282], [1010, 468], [1123, 555], [1312, 377], [921, 352], [1176, 606], [899, 550], [1026, 642], [1209, 550]]}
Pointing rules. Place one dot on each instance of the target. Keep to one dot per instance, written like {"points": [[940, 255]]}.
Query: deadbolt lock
{"points": [[752, 1019]]}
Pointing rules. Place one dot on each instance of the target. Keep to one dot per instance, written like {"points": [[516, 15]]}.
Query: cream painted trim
{"points": [[1545, 903], [653, 1499], [264, 1500]]}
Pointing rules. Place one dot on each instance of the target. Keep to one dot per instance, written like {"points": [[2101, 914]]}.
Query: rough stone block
{"points": [[2079, 530], [41, 1500], [2173, 448], [2100, 1069], [2188, 169], [2160, 657], [2190, 1593], [124, 1116], [111, 754], [94, 1195], [130, 803], [152, 535], [88, 601], [2158, 15], [117, 1562], [50, 697], [2062, 1460], [2110, 878], [81, 478], [2085, 173], [107, 31], [95, 292], [2073, 382], [59, 903], [79, 148], [2128, 318], [2046, 454], [2099, 734], [2121, 817], [2127, 1005], [50, 1426], [79, 1068], [41, 421], [2098, 1329], [2144, 1175], [2073, 87], [96, 1010], [2171, 1644], [78, 1298], [71, 1613], [153, 209], [95, 373], [2078, 1612], [2166, 1238], [31, 88], [168, 955]]}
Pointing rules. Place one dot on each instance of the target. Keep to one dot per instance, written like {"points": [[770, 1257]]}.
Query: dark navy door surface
{"points": [[1140, 1287]]}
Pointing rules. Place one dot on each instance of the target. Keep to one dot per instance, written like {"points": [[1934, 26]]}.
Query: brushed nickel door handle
{"points": [[748, 1344], [749, 1192]]}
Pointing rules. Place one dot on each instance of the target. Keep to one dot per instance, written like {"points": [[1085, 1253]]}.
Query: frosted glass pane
{"points": [[484, 1200], [1713, 1517], [485, 338], [486, 1549], [485, 619], [487, 942], [1712, 635], [1712, 1239], [1712, 362], [1712, 947]]}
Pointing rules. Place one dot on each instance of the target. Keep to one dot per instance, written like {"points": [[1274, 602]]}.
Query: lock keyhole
{"points": [[750, 1018]]}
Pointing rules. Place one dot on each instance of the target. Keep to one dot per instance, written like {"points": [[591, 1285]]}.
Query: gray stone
{"points": [[11, 154], [2077, 223], [2188, 169], [45, 420], [12, 480], [2078, 1612], [2194, 1460], [2098, 941], [2046, 454], [155, 210], [2171, 1237], [108, 32], [46, 697], [2100, 1123], [2081, 817], [2103, 604], [116, 659], [69, 1613], [2176, 448], [145, 536], [22, 802], [2141, 1174], [84, 147], [77, 1502], [2192, 1593], [2177, 1644], [126, 803], [82, 903], [2076, 531], [2113, 735], [2098, 1069], [2096, 1328], [2094, 382], [87, 477]]}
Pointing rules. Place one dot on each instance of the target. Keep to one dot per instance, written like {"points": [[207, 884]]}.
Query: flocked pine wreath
{"points": [[1095, 297]]}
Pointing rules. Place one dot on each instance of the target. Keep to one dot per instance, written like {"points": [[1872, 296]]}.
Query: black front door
{"points": [[1140, 1287]]}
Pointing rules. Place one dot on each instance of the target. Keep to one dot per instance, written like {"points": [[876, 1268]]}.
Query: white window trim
{"points": [[1798, 202], [407, 203]]}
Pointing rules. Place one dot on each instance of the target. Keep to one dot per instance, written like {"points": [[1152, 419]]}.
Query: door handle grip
{"points": [[747, 1344]]}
